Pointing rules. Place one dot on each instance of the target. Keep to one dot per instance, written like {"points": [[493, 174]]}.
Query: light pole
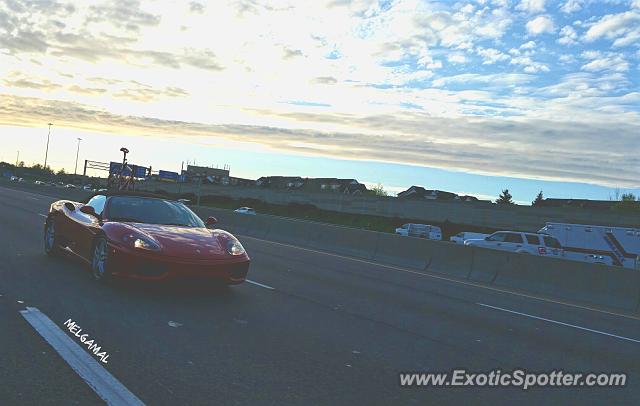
{"points": [[17, 159], [46, 154], [77, 153]]}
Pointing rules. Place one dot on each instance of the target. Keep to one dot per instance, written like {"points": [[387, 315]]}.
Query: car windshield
{"points": [[151, 211]]}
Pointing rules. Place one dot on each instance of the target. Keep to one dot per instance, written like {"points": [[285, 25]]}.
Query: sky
{"points": [[469, 97]]}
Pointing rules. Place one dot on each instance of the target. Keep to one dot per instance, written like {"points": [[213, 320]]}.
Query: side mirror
{"points": [[487, 238], [211, 221], [88, 210]]}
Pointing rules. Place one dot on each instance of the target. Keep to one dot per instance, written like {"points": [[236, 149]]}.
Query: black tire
{"points": [[100, 269], [51, 246]]}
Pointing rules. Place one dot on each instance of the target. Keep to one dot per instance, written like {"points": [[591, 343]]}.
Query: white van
{"points": [[420, 231]]}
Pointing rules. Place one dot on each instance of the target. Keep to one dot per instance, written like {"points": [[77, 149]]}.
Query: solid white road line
{"points": [[560, 323], [98, 378], [444, 278], [259, 284]]}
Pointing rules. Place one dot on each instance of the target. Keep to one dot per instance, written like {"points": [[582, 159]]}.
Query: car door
{"points": [[495, 241], [513, 242], [534, 246], [83, 227]]}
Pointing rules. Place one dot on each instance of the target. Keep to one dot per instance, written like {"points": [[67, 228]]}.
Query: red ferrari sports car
{"points": [[143, 237]]}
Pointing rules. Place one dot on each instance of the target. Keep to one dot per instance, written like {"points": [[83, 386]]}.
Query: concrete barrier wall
{"points": [[597, 285], [480, 214]]}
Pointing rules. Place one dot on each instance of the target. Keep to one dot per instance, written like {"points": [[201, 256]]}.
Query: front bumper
{"points": [[128, 263]]}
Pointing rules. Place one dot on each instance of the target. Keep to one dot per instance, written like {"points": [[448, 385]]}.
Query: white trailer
{"points": [[600, 244]]}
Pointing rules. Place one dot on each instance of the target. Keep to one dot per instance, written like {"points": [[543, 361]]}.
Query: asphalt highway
{"points": [[309, 328]]}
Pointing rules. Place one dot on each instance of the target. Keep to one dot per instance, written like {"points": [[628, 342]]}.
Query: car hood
{"points": [[187, 242]]}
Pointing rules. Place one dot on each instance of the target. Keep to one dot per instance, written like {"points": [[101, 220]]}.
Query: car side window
{"points": [[97, 202], [532, 239], [499, 237], [515, 238]]}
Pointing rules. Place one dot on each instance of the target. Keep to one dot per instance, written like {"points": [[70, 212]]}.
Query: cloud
{"points": [[540, 25], [532, 6], [601, 62], [457, 58], [496, 79], [195, 7], [325, 80], [568, 36], [535, 148], [122, 13], [528, 45], [530, 66], [571, 6], [491, 55], [623, 28]]}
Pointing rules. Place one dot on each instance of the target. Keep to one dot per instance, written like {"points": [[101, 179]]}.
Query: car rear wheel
{"points": [[50, 240], [99, 261]]}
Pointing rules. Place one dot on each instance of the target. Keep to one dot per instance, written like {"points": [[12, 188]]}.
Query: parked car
{"points": [[14, 178], [524, 243], [245, 210], [39, 182], [420, 231], [460, 238]]}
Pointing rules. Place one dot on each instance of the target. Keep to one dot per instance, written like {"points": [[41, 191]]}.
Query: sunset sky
{"points": [[469, 96]]}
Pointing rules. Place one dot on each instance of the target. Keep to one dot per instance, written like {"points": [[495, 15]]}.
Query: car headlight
{"points": [[234, 247], [140, 242]]}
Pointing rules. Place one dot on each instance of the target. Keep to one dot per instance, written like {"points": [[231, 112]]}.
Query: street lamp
{"points": [[77, 153], [46, 154], [17, 159]]}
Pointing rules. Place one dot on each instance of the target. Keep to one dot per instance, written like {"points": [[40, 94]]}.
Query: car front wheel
{"points": [[100, 261], [50, 239]]}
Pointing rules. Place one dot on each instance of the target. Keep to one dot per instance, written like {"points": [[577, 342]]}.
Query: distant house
{"points": [[208, 175], [280, 182], [420, 193], [346, 186], [233, 181], [467, 198]]}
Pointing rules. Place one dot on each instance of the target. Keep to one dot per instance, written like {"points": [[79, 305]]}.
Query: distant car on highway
{"points": [[519, 242], [145, 237], [87, 187], [38, 182], [70, 186], [15, 179], [460, 238], [420, 231], [245, 210]]}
